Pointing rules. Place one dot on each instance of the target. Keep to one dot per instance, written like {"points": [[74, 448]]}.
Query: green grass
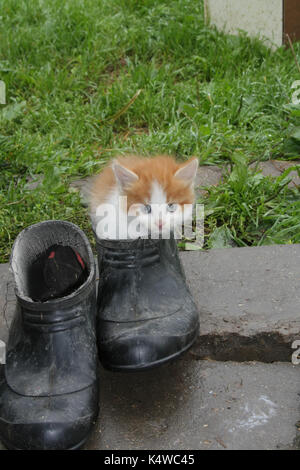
{"points": [[71, 66], [250, 209]]}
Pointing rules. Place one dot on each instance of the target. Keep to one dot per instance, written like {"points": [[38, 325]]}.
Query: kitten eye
{"points": [[147, 208], [172, 207]]}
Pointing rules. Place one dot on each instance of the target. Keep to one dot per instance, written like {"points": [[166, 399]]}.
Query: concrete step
{"points": [[194, 404], [249, 302]]}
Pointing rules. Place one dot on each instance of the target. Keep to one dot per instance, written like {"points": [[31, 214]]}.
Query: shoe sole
{"points": [[150, 365]]}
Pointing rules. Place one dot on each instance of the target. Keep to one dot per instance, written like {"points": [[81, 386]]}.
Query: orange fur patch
{"points": [[160, 168]]}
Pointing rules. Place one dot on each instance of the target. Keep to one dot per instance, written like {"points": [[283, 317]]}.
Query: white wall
{"points": [[262, 18]]}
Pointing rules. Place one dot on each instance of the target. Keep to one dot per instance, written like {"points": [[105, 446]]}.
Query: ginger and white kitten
{"points": [[140, 197]]}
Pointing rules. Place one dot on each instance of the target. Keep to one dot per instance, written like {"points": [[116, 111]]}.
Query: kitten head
{"points": [[159, 191]]}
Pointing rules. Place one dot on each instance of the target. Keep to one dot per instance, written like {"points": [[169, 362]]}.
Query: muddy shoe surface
{"points": [[146, 314], [49, 385]]}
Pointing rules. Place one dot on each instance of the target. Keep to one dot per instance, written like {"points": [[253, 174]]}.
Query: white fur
{"points": [[158, 195]]}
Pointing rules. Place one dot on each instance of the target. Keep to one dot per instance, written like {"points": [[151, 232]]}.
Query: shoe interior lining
{"points": [[32, 242]]}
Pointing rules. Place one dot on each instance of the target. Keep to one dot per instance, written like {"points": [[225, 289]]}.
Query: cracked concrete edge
{"points": [[248, 300], [265, 347]]}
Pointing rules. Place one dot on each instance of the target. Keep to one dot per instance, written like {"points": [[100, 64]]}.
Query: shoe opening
{"points": [[51, 260]]}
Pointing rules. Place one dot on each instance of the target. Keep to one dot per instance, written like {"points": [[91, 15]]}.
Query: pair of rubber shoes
{"points": [[144, 316]]}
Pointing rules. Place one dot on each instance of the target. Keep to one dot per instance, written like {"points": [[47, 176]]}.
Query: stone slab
{"points": [[249, 301], [277, 167], [200, 405], [259, 18]]}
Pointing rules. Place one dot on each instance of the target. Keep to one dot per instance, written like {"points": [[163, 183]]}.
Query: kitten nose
{"points": [[160, 224]]}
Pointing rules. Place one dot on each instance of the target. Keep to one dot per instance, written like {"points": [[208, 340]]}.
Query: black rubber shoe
{"points": [[49, 385], [146, 314]]}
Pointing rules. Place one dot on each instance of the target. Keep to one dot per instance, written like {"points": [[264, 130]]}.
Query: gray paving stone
{"points": [[249, 301], [200, 405], [207, 176], [277, 167]]}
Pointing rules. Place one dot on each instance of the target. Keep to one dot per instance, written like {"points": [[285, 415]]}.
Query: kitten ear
{"points": [[123, 176], [188, 171]]}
